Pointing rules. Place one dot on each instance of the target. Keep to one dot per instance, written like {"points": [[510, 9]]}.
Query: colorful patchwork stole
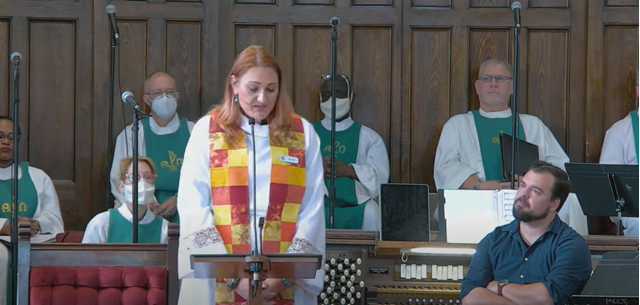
{"points": [[230, 197]]}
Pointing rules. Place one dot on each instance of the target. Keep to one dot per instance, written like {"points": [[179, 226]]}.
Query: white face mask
{"points": [[164, 106], [343, 105], [145, 192]]}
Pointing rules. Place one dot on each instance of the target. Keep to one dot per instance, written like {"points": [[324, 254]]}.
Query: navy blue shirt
{"points": [[560, 259]]}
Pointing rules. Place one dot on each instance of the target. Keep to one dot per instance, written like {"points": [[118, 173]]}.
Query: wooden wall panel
{"points": [[312, 60], [489, 3], [371, 81], [430, 97], [548, 3], [546, 80], [264, 35], [5, 67], [184, 55], [52, 89], [431, 3]]}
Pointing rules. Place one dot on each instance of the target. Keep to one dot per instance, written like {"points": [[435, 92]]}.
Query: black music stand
{"points": [[285, 265], [606, 189]]}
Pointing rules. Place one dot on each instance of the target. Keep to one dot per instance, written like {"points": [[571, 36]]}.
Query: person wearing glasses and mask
{"points": [[38, 201], [468, 154], [162, 138], [115, 225], [362, 162]]}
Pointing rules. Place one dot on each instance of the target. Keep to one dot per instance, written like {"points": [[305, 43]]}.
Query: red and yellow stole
{"points": [[230, 197]]}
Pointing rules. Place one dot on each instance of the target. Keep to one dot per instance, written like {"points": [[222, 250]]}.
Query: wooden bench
{"points": [[97, 273]]}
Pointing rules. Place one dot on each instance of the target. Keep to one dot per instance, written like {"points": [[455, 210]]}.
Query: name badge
{"points": [[289, 159]]}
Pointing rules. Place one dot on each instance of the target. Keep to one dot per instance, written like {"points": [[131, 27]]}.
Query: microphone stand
{"points": [[135, 177], [514, 104], [256, 260], [332, 178], [114, 43], [14, 185]]}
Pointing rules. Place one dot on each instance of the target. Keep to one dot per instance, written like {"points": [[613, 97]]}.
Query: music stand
{"points": [[606, 189], [283, 265]]}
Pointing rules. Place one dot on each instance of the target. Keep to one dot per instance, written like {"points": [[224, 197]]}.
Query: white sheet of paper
{"points": [[470, 215]]}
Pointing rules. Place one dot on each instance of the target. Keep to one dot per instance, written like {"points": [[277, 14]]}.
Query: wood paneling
{"points": [[5, 67], [52, 89], [370, 78], [412, 63], [430, 97], [547, 81], [548, 3], [183, 62]]}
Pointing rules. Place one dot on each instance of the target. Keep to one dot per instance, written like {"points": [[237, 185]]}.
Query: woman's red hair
{"points": [[227, 114]]}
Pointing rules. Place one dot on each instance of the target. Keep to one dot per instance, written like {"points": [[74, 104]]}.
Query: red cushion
{"points": [[98, 286]]}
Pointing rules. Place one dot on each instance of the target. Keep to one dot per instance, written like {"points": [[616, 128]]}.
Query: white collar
{"points": [[496, 114], [260, 130], [171, 127], [148, 215]]}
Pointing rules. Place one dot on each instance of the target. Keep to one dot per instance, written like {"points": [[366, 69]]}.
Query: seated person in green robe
{"points": [[115, 225]]}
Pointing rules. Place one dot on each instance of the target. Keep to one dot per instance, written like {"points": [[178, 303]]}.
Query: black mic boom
{"points": [[516, 7], [15, 58], [334, 21], [111, 11]]}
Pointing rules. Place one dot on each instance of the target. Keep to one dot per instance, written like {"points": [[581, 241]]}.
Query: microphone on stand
{"points": [[15, 58], [111, 11], [255, 268], [127, 98], [334, 21], [516, 7], [515, 121]]}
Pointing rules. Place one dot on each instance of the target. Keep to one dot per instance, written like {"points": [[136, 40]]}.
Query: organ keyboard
{"points": [[361, 270]]}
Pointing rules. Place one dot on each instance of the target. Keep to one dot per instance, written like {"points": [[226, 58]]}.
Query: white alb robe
{"points": [[124, 149], [458, 156], [619, 148], [196, 217], [371, 167], [97, 230], [47, 214]]}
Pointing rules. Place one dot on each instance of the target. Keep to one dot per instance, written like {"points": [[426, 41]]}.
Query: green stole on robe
{"points": [[166, 151], [489, 130], [28, 202], [121, 229], [348, 214], [634, 123]]}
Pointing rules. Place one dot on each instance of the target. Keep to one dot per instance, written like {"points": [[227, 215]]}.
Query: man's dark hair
{"points": [[561, 186], [8, 118]]}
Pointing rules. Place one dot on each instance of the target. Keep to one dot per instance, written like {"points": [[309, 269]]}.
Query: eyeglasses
{"points": [[149, 177], [157, 93], [498, 78], [9, 136]]}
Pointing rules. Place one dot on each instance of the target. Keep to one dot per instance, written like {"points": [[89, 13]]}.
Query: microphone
{"points": [[516, 7], [127, 98], [334, 21], [111, 11], [15, 58]]}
